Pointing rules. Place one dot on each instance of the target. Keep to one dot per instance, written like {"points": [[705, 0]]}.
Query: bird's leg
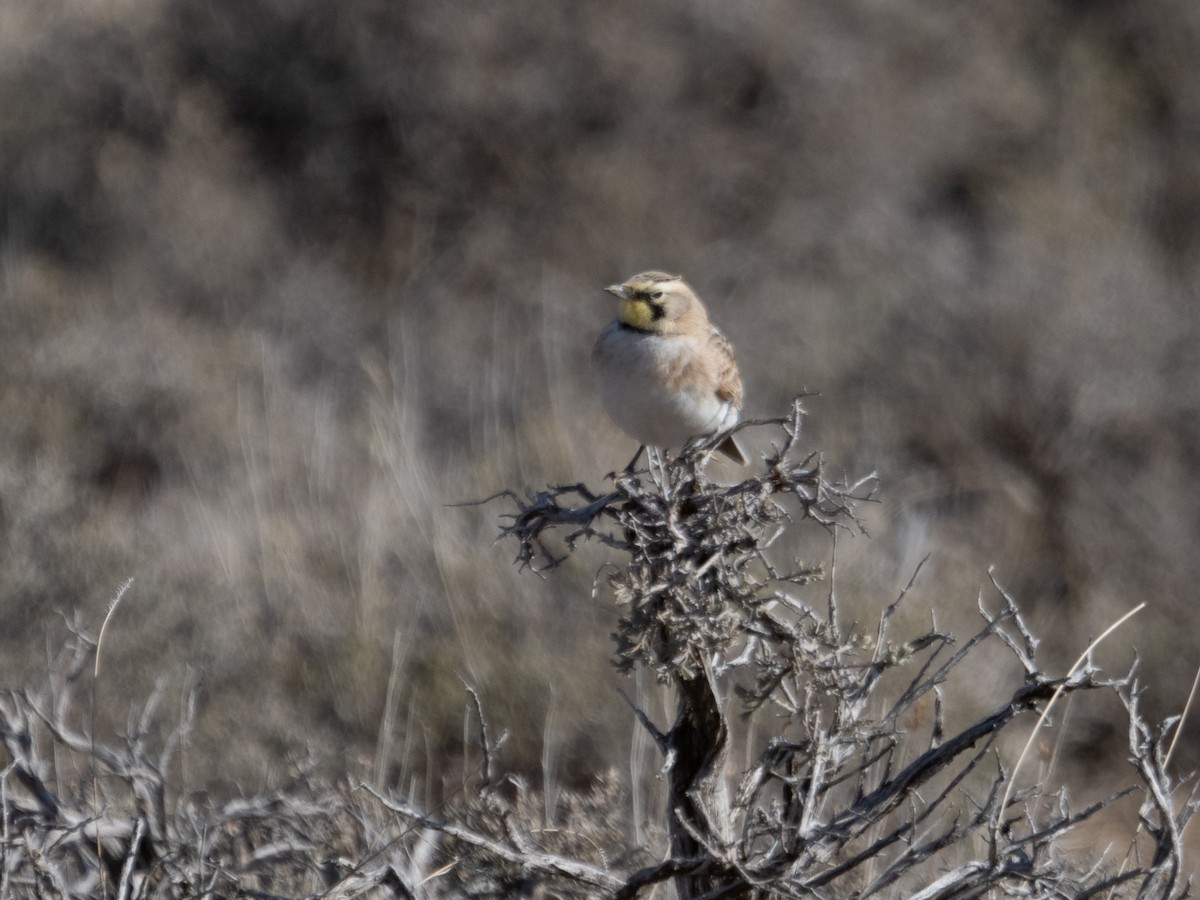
{"points": [[628, 470]]}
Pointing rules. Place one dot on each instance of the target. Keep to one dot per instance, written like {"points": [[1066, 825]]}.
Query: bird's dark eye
{"points": [[657, 295]]}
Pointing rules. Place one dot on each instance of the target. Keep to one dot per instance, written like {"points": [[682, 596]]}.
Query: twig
{"points": [[112, 607], [547, 864], [1046, 712]]}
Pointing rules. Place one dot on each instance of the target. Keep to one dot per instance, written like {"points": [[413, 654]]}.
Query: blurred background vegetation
{"points": [[283, 279]]}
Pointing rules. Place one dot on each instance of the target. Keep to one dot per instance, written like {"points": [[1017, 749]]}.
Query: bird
{"points": [[664, 373]]}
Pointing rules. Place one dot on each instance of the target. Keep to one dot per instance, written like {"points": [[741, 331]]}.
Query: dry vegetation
{"points": [[282, 280], [856, 779]]}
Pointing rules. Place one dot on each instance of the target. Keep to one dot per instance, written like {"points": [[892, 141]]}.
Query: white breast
{"points": [[632, 373]]}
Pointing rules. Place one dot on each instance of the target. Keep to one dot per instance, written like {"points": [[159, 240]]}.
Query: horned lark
{"points": [[664, 372]]}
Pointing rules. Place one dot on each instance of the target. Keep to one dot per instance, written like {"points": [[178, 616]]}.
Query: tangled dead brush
{"points": [[862, 784], [841, 801]]}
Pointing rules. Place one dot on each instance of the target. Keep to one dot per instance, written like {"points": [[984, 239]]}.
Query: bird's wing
{"points": [[729, 380]]}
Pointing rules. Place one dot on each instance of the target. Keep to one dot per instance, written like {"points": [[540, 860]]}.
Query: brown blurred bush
{"points": [[282, 280]]}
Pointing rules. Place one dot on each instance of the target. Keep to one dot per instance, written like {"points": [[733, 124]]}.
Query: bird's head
{"points": [[654, 301]]}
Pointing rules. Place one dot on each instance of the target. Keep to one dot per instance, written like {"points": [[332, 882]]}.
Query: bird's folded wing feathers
{"points": [[729, 381]]}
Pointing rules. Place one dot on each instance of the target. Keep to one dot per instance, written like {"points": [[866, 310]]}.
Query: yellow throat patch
{"points": [[637, 313]]}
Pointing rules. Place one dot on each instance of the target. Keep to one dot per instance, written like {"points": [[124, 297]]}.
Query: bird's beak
{"points": [[618, 290]]}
